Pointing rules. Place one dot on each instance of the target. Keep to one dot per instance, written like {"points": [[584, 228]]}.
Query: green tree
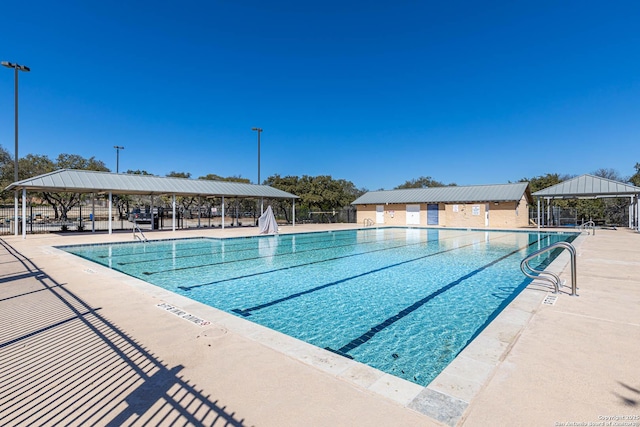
{"points": [[288, 184], [74, 161], [35, 164], [63, 202], [424, 182], [317, 194], [541, 182], [6, 168], [635, 178], [138, 172], [174, 174], [214, 177]]}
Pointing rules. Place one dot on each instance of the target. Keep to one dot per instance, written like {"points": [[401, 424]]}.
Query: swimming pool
{"points": [[405, 301]]}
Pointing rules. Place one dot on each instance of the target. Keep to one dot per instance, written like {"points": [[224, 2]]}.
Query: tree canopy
{"points": [[214, 177], [138, 172], [317, 193], [541, 182], [173, 174], [635, 178], [424, 182], [35, 164]]}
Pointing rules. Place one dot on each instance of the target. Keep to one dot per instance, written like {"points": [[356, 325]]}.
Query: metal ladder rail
{"points": [[368, 222], [588, 225], [554, 279], [135, 235]]}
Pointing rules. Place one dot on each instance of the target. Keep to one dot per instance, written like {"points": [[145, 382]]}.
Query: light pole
{"points": [[118, 148], [26, 69], [259, 130]]}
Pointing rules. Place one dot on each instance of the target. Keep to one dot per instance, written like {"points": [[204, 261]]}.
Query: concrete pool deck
{"points": [[85, 345]]}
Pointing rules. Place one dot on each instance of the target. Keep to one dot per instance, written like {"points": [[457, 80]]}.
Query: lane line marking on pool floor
{"points": [[183, 314]]}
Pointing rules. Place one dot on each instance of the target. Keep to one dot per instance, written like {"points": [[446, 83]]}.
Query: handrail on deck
{"points": [[588, 225], [368, 222], [548, 276], [135, 236]]}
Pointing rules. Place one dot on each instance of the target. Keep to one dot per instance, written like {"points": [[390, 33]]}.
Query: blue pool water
{"points": [[405, 301]]}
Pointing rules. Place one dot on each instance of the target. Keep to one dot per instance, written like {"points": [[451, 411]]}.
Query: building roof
{"points": [[83, 181], [589, 186], [457, 194]]}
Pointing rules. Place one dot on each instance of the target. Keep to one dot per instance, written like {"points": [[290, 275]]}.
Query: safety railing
{"points": [[589, 225], [547, 276], [368, 222], [137, 230]]}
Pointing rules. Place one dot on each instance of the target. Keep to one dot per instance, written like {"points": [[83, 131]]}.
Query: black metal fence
{"points": [[603, 212]]}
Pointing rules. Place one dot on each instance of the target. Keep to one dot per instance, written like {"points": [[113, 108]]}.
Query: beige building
{"points": [[476, 206]]}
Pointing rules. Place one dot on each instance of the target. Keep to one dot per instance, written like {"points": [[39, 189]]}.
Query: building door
{"points": [[380, 214], [432, 214], [486, 215], [413, 214]]}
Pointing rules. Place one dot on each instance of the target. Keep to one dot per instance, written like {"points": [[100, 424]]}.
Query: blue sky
{"points": [[373, 92]]}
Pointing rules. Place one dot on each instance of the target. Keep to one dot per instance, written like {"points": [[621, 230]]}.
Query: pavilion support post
{"points": [[24, 213], [110, 211], [293, 211], [199, 209], [173, 212], [93, 212], [15, 213], [151, 213], [538, 213], [637, 213], [223, 212], [548, 212]]}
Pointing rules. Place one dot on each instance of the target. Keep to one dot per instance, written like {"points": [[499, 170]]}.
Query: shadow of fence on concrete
{"points": [[62, 362]]}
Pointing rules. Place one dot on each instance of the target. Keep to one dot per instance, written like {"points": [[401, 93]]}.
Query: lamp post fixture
{"points": [[259, 130], [26, 69], [118, 148]]}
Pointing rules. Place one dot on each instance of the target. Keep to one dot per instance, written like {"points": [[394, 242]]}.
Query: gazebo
{"points": [[591, 187], [92, 182]]}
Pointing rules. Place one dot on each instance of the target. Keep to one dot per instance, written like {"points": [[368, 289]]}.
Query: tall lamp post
{"points": [[26, 69], [259, 130], [118, 148]]}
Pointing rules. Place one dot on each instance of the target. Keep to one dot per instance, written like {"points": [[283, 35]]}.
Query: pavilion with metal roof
{"points": [[591, 187], [84, 181]]}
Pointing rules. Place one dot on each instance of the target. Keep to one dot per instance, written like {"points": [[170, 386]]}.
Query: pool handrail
{"points": [[135, 235], [588, 225], [543, 275]]}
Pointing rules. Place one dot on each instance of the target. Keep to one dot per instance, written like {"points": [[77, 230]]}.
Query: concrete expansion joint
{"points": [[597, 318]]}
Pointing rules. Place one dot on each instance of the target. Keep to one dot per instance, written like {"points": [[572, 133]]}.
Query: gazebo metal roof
{"points": [[83, 181], [588, 186]]}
